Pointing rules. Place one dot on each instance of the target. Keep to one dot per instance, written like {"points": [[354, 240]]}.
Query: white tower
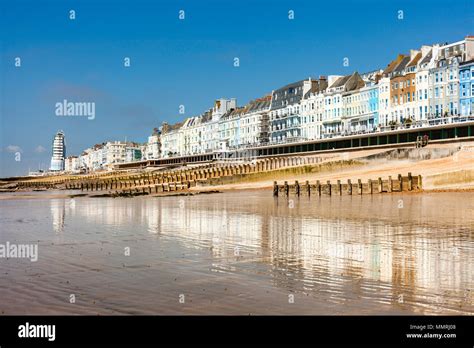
{"points": [[59, 152]]}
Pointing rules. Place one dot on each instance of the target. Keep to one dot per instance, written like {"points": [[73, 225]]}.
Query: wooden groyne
{"points": [[163, 180], [389, 185]]}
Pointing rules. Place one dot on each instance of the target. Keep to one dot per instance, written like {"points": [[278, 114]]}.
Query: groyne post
{"points": [[297, 188]]}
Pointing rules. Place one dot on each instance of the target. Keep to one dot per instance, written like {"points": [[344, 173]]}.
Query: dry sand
{"points": [[455, 172]]}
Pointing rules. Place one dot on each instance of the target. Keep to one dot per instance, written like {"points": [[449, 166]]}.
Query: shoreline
{"points": [[52, 194], [443, 168]]}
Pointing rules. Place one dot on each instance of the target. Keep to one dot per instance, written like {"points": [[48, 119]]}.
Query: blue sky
{"points": [[188, 62]]}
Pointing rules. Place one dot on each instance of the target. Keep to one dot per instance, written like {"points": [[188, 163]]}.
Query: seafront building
{"points": [[466, 88], [430, 85], [71, 164], [58, 152]]}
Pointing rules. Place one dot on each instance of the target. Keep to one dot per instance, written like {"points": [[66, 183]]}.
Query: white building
{"points": [[253, 126], [153, 147], [171, 140], [198, 134], [58, 152], [210, 136], [113, 152], [384, 101], [230, 129], [71, 164], [426, 63], [312, 110], [333, 123]]}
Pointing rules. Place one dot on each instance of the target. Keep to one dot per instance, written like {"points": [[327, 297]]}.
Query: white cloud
{"points": [[39, 149], [13, 148]]}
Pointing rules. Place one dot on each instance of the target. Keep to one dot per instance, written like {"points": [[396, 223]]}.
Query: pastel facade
{"points": [[426, 86], [343, 91], [361, 105], [444, 76], [466, 88]]}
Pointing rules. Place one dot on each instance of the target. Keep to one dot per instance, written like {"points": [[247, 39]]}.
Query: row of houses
{"points": [[431, 84], [106, 155]]}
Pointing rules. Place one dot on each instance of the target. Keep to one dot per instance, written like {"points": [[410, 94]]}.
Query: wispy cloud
{"points": [[39, 149], [13, 148]]}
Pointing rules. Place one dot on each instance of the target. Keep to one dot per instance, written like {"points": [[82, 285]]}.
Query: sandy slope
{"points": [[452, 172]]}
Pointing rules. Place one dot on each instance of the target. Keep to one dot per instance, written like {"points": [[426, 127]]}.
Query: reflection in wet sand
{"points": [[239, 253]]}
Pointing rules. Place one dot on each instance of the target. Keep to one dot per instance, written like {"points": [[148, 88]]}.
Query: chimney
{"points": [[469, 47]]}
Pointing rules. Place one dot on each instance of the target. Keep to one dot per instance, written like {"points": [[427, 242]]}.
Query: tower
{"points": [[58, 152]]}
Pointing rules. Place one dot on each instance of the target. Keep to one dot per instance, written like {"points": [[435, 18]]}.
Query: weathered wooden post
{"points": [[308, 188], [349, 185], [329, 187], [410, 182], [390, 184], [287, 189], [318, 187], [400, 182], [339, 187], [359, 186], [380, 185], [370, 186], [419, 182], [275, 189], [297, 188]]}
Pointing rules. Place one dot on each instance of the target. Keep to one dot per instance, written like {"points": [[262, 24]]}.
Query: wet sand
{"points": [[241, 253]]}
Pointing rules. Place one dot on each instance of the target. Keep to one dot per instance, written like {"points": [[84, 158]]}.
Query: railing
{"points": [[432, 121]]}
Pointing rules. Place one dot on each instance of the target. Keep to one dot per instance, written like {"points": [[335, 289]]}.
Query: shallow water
{"points": [[241, 253]]}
